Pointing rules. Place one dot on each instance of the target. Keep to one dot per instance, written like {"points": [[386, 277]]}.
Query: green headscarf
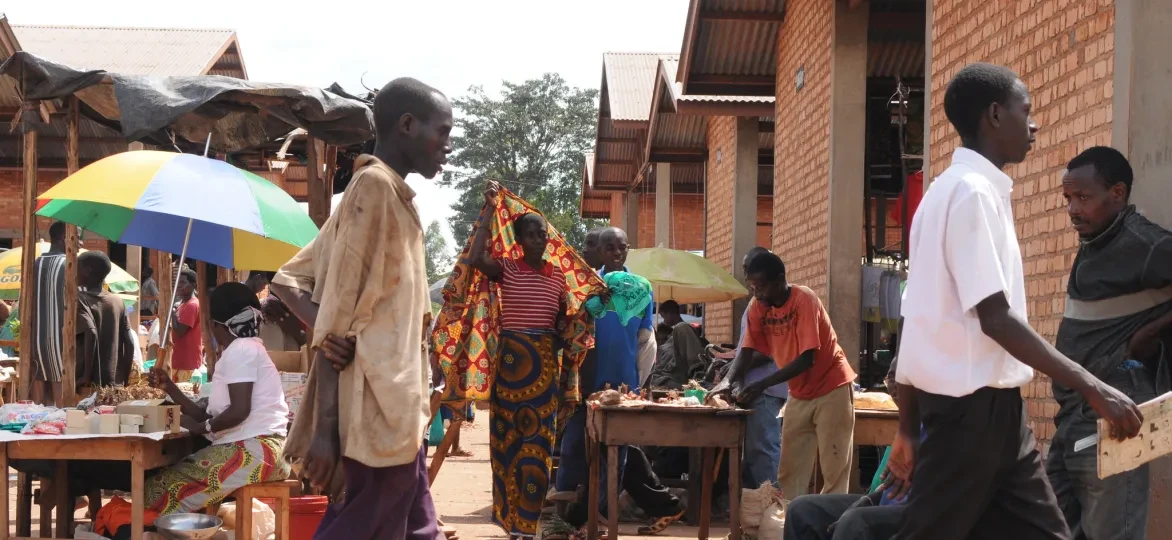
{"points": [[629, 297]]}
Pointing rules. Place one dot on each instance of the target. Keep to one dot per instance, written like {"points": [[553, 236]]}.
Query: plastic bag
{"points": [[52, 422], [772, 525], [264, 520], [85, 531], [23, 413]]}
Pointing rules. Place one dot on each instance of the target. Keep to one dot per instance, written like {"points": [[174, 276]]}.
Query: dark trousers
{"points": [[809, 518], [979, 474], [641, 483], [389, 503]]}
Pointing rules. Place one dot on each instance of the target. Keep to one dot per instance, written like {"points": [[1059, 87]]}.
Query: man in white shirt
{"points": [[967, 348]]}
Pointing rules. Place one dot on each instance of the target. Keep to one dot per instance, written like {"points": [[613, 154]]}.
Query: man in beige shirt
{"points": [[362, 286]]}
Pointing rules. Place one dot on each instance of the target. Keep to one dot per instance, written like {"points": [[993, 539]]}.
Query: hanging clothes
{"points": [[915, 193]]}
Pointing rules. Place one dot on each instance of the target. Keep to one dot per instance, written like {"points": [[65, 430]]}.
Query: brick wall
{"points": [[1064, 51], [12, 212], [722, 132], [687, 221], [801, 143]]}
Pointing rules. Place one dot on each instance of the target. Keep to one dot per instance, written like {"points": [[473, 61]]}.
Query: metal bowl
{"points": [[188, 526]]}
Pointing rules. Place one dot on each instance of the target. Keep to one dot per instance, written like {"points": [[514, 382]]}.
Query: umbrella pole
{"points": [[175, 284]]}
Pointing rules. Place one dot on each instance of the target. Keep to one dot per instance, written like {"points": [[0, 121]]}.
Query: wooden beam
{"points": [[319, 199], [164, 278], [623, 162], [748, 80], [744, 16], [630, 140], [69, 328], [678, 155], [725, 108], [205, 315], [28, 307], [728, 89]]}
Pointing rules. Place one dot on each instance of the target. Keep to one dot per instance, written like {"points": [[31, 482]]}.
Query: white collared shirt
{"points": [[963, 249]]}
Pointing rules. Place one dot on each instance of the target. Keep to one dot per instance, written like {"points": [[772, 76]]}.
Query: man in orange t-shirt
{"points": [[789, 324]]}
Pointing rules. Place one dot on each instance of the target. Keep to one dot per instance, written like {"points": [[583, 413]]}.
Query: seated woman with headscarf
{"points": [[245, 419]]}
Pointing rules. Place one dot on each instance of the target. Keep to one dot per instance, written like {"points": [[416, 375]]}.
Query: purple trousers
{"points": [[391, 503]]}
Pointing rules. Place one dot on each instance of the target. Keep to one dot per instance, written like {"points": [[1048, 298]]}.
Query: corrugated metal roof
{"points": [[680, 131], [737, 47], [630, 79], [904, 58], [135, 51]]}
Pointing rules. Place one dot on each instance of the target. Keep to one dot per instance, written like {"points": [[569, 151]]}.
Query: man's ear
{"points": [[406, 124], [993, 114]]}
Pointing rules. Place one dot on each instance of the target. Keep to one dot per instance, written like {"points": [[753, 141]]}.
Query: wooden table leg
{"points": [[695, 486], [137, 492], [24, 505], [65, 504], [612, 490], [4, 523], [706, 493], [734, 493], [593, 455], [46, 503]]}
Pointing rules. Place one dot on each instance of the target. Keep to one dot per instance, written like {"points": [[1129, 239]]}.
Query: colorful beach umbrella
{"points": [[119, 281], [223, 215], [684, 277]]}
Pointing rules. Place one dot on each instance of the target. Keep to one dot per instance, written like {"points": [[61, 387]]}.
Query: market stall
{"points": [[616, 420]]}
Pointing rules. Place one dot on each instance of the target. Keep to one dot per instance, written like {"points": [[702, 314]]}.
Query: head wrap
{"points": [[245, 324]]}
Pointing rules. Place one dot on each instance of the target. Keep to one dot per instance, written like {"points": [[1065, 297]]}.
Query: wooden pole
{"points": [[163, 277], [319, 201], [134, 268], [69, 328], [205, 314], [28, 308]]}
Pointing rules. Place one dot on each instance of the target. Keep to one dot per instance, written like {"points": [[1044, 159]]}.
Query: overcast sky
{"points": [[449, 44]]}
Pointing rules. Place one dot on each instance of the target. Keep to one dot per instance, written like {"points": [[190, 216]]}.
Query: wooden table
{"points": [[608, 428], [875, 427], [143, 454]]}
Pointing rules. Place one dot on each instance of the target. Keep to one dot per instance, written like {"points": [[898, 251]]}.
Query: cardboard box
{"points": [[293, 385], [131, 419], [155, 415], [75, 418], [129, 429], [108, 424]]}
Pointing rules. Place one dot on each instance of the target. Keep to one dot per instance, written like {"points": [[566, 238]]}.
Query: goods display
{"points": [[877, 401]]}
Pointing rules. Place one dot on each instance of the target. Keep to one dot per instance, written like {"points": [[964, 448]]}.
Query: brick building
{"points": [[1098, 74]]}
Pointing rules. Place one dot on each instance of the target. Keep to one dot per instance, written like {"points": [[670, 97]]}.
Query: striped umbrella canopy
{"points": [[181, 203]]}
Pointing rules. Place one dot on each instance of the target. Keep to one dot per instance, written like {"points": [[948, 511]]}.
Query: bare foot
{"points": [[449, 532], [459, 452]]}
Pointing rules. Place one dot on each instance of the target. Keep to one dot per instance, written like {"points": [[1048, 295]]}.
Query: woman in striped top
{"points": [[524, 398]]}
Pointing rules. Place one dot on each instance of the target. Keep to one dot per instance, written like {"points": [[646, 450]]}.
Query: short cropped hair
{"points": [[974, 88], [404, 95], [188, 273], [1109, 164], [527, 219], [768, 265], [97, 262], [670, 306]]}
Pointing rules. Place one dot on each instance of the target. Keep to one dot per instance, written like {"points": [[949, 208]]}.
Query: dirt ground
{"points": [[463, 493]]}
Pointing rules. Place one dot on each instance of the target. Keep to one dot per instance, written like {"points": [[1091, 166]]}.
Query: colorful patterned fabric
{"points": [[522, 412], [209, 475], [629, 296], [466, 336]]}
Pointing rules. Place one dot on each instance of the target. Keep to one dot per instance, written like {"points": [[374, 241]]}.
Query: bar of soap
{"points": [[75, 418], [76, 431], [132, 420], [132, 428], [108, 424]]}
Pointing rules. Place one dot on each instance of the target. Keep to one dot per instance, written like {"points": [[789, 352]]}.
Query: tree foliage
{"points": [[532, 139], [435, 247]]}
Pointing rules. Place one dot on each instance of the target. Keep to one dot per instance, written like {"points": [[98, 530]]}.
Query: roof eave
{"points": [[725, 108]]}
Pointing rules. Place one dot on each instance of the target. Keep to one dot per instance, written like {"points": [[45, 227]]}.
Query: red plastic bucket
{"points": [[305, 514]]}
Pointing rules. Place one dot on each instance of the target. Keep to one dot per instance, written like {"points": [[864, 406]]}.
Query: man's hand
{"points": [[274, 310], [318, 466], [339, 351], [492, 190], [902, 461], [1116, 408], [889, 481], [748, 394]]}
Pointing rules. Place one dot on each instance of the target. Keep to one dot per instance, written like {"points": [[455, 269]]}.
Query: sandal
{"points": [[660, 524], [459, 452]]}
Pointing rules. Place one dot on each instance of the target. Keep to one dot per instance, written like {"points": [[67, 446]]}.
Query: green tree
{"points": [[435, 247], [532, 139]]}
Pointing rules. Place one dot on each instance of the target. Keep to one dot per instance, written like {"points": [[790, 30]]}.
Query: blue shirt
{"points": [[780, 390], [617, 347]]}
